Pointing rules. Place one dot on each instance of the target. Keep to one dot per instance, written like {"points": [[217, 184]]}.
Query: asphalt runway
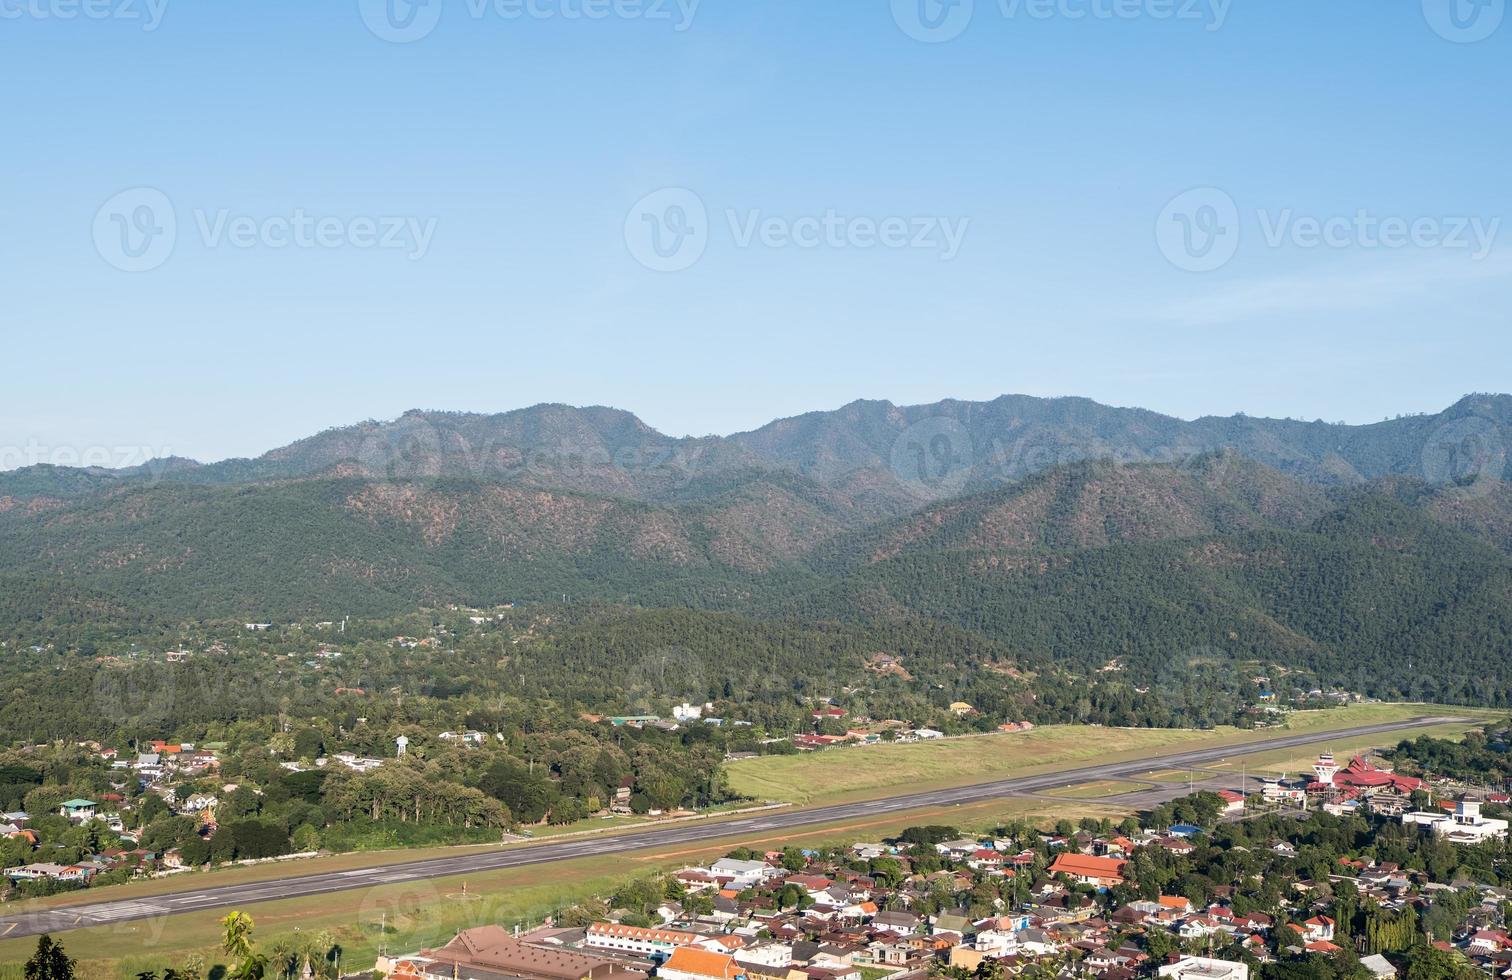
{"points": [[129, 910]]}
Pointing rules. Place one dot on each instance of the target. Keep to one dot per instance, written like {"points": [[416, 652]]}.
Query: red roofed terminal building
{"points": [[1386, 790]]}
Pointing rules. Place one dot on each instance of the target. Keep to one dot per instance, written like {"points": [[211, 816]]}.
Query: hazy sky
{"points": [[227, 225]]}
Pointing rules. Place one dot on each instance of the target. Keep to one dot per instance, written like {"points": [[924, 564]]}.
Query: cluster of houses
{"points": [[159, 767], [16, 825], [756, 918], [846, 925], [163, 762]]}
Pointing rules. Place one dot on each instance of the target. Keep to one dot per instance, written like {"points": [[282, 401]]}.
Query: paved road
{"points": [[127, 910]]}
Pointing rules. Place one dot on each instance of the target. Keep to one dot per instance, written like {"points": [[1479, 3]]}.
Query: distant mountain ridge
{"points": [[874, 457]]}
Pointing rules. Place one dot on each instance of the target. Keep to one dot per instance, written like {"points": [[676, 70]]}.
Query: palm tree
{"points": [[303, 956]]}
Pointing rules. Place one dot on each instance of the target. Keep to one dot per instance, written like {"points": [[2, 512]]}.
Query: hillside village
{"points": [[1192, 892]]}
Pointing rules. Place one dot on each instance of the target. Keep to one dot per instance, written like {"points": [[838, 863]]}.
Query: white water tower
{"points": [[400, 744]]}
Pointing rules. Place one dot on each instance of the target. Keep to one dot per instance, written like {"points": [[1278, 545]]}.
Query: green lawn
{"points": [[861, 772]]}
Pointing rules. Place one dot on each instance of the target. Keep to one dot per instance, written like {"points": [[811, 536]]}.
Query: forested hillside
{"points": [[1081, 568]]}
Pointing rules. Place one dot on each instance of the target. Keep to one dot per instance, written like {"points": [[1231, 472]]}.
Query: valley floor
{"points": [[421, 912]]}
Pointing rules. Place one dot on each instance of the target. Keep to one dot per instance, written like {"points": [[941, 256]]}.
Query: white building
{"points": [[354, 762], [1276, 790], [765, 954], [1464, 826], [744, 873], [633, 939], [1202, 968]]}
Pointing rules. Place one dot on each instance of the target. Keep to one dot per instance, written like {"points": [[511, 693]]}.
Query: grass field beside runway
{"points": [[844, 774]]}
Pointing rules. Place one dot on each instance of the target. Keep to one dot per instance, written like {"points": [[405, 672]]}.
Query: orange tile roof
{"points": [[1087, 866], [702, 962]]}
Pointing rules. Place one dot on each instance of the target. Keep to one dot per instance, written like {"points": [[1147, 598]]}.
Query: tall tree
{"points": [[49, 962]]}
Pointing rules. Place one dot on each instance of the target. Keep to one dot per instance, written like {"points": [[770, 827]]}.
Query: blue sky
{"points": [[1286, 208]]}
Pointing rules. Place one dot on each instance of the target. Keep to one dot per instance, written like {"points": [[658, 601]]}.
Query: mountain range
{"points": [[872, 457], [1067, 532]]}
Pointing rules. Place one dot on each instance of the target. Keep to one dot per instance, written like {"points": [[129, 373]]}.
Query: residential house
{"points": [[1100, 872], [692, 963], [78, 811]]}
